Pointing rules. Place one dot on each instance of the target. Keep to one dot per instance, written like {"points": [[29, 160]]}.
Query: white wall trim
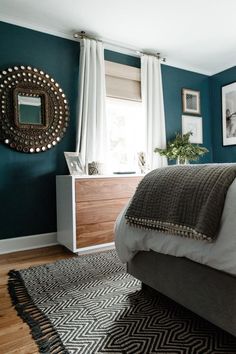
{"points": [[34, 27], [27, 242], [30, 242], [187, 67]]}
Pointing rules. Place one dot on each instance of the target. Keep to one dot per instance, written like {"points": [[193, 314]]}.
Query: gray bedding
{"points": [[182, 200]]}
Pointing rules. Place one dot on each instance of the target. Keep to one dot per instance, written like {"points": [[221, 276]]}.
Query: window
{"points": [[126, 123], [126, 134]]}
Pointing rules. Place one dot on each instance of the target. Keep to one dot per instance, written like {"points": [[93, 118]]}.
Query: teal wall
{"points": [[221, 153], [122, 58], [174, 80], [27, 182]]}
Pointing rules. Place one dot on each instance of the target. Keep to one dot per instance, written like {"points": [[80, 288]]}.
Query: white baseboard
{"points": [[28, 242], [16, 244]]}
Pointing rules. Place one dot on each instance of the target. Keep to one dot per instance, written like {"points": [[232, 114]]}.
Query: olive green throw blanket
{"points": [[182, 200]]}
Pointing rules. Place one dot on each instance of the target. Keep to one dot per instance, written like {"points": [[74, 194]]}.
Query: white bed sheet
{"points": [[221, 254]]}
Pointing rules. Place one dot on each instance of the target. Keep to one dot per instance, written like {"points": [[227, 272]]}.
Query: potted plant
{"points": [[181, 150]]}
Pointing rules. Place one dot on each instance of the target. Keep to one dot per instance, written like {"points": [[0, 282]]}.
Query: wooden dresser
{"points": [[87, 207]]}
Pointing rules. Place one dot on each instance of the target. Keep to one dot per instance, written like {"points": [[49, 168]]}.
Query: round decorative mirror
{"points": [[34, 111]]}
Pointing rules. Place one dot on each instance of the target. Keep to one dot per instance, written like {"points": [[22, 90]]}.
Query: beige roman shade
{"points": [[123, 81]]}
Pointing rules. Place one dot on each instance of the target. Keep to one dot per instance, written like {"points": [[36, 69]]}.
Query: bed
{"points": [[197, 274]]}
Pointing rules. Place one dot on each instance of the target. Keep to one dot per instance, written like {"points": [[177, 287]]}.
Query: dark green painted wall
{"points": [[27, 182], [174, 80], [221, 153], [122, 58]]}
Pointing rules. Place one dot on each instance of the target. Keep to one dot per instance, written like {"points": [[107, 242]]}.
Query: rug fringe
{"points": [[41, 328]]}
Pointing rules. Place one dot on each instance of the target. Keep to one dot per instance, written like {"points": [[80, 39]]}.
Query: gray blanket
{"points": [[182, 200]]}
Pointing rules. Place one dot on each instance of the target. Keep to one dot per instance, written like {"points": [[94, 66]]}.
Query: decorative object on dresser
{"points": [[229, 114], [93, 168], [142, 162], [191, 101], [74, 163], [181, 150], [87, 207], [194, 125], [33, 109]]}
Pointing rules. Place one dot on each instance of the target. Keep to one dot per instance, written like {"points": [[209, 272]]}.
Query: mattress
{"points": [[220, 254]]}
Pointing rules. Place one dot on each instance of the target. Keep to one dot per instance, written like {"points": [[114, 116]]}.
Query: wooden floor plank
{"points": [[15, 337], [27, 349]]}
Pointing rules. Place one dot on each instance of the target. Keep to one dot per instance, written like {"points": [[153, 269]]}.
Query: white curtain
{"points": [[91, 123], [152, 97]]}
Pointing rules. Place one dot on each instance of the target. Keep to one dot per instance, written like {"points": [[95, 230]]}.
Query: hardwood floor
{"points": [[15, 335]]}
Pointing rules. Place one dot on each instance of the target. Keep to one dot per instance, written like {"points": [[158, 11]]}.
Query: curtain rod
{"points": [[82, 34]]}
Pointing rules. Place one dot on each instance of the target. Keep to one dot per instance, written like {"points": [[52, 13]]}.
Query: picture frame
{"points": [[194, 125], [191, 101], [228, 98], [74, 163]]}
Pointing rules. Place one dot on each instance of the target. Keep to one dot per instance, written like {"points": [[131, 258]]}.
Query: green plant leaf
{"points": [[181, 148]]}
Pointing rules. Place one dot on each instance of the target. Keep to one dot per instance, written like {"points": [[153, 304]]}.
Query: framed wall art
{"points": [[229, 114], [74, 163], [191, 101], [193, 125], [34, 110]]}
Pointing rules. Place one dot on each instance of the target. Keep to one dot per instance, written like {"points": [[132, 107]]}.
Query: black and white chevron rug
{"points": [[89, 305]]}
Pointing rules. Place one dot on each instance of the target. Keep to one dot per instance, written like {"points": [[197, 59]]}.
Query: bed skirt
{"points": [[208, 292]]}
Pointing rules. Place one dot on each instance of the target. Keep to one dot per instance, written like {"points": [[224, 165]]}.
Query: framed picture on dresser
{"points": [[74, 163]]}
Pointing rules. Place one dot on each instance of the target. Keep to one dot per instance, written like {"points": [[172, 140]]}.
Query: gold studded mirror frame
{"points": [[30, 84]]}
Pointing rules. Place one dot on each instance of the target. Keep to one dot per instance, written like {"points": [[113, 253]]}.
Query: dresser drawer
{"points": [[98, 211], [105, 188], [94, 234]]}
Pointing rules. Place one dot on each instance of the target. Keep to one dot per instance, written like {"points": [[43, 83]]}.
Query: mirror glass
{"points": [[30, 110]]}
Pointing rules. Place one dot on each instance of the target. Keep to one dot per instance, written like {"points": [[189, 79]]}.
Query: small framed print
{"points": [[193, 125], [74, 163], [229, 114], [191, 101]]}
